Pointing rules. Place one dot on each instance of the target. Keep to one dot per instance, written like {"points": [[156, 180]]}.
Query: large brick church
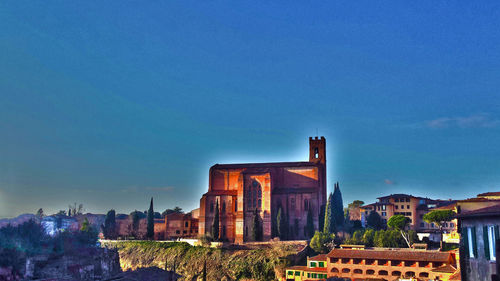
{"points": [[240, 189]]}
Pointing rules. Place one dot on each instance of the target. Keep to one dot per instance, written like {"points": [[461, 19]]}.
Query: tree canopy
{"points": [[374, 221], [322, 242], [398, 222], [338, 207], [215, 223], [150, 230], [355, 204], [329, 225], [439, 216]]}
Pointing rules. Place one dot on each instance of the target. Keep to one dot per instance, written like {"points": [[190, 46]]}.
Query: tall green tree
{"points": [[281, 224], [215, 223], [338, 207], [400, 223], [329, 226], [374, 221], [256, 227], [309, 224], [109, 229], [85, 226], [439, 217], [321, 217], [150, 231]]}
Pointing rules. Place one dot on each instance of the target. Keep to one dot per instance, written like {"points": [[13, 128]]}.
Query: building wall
{"points": [[477, 268], [288, 185]]}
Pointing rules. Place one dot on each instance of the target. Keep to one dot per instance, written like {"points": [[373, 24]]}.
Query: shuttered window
{"points": [[471, 242], [490, 235]]}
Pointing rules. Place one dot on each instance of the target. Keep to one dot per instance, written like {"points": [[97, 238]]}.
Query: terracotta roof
{"points": [[404, 255], [321, 257], [222, 192], [489, 194], [399, 195], [478, 200], [305, 268], [447, 268], [456, 276], [488, 211], [265, 165]]}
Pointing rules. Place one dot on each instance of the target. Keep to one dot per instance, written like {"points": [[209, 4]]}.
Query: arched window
{"points": [[306, 205], [224, 206], [211, 206], [236, 205]]}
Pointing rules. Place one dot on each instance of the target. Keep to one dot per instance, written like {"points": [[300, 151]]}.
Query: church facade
{"points": [[241, 189]]}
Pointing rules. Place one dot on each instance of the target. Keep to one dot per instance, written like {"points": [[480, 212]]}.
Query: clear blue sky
{"points": [[110, 103]]}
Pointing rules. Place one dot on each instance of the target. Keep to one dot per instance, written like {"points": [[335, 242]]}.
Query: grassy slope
{"points": [[222, 264]]}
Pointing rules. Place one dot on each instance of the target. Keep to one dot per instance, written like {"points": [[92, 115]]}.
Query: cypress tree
{"points": [[215, 223], [338, 207], [256, 228], [281, 224], [321, 217], [309, 224], [150, 233], [109, 230], [329, 226]]}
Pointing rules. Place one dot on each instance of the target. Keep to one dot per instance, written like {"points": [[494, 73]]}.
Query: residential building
{"points": [[359, 263], [479, 230], [58, 223], [410, 206], [179, 225], [241, 189]]}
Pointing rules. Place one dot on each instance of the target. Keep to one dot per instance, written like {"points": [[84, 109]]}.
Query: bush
{"points": [[322, 242]]}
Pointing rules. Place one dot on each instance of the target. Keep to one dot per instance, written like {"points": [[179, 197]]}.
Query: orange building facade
{"points": [[240, 189], [378, 264]]}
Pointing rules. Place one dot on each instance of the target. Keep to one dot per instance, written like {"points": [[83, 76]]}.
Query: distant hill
{"points": [[17, 220]]}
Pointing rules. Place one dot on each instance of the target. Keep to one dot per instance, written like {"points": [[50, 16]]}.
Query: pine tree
{"points": [[309, 224], [215, 223], [256, 228], [338, 207], [281, 224], [329, 226], [150, 233]]}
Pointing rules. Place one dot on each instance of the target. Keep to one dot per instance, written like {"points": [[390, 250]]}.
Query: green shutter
{"points": [[486, 242], [465, 240], [474, 244]]}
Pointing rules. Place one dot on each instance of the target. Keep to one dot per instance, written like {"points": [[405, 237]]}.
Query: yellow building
{"points": [[315, 270]]}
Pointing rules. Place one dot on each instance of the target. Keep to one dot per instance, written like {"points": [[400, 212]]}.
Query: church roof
{"points": [[266, 165]]}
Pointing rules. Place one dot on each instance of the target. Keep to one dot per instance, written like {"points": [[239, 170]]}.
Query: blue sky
{"points": [[108, 104]]}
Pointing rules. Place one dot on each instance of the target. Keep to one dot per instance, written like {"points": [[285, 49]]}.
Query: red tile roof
{"points": [[265, 165], [321, 257], [488, 211], [456, 276], [308, 269], [447, 268], [489, 194], [404, 255]]}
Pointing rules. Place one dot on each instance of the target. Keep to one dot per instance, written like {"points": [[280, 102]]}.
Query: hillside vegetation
{"points": [[221, 264]]}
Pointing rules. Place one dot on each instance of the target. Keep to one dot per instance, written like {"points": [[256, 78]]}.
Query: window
{"points": [[396, 207], [177, 232], [321, 264], [212, 207], [297, 273], [224, 207], [186, 224], [316, 152], [470, 241], [383, 207], [407, 199], [306, 205], [396, 200], [402, 206], [313, 264], [490, 234], [452, 224], [236, 205], [290, 273], [407, 206], [421, 224], [384, 214], [224, 231]]}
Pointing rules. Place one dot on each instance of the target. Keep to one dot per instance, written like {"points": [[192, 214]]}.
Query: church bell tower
{"points": [[317, 150]]}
